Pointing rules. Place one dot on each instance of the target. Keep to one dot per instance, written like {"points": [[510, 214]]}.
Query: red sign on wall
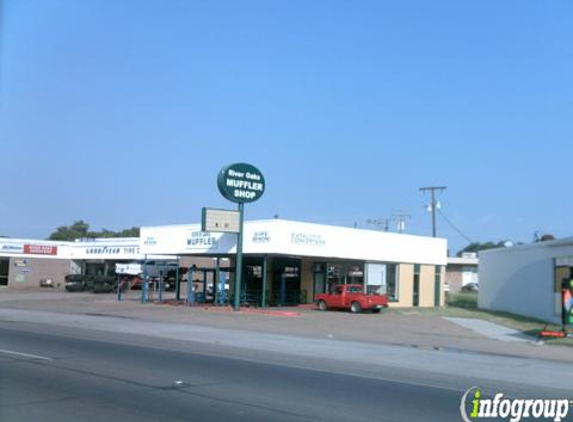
{"points": [[40, 250]]}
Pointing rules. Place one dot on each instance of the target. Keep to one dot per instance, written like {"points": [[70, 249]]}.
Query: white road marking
{"points": [[26, 355]]}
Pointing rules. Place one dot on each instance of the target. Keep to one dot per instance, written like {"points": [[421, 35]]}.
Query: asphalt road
{"points": [[47, 377], [64, 373]]}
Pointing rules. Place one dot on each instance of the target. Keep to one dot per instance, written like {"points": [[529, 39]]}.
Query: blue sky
{"points": [[122, 112]]}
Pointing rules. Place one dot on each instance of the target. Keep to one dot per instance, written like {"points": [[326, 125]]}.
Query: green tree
{"points": [[77, 230], [133, 232], [477, 246], [80, 229]]}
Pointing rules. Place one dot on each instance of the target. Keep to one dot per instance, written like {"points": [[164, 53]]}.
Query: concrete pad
{"points": [[491, 330]]}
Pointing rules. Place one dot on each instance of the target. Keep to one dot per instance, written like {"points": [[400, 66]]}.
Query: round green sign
{"points": [[241, 183]]}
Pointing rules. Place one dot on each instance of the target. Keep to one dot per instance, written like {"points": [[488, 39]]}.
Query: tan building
{"points": [[461, 271]]}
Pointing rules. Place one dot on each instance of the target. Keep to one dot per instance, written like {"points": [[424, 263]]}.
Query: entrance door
{"points": [[209, 284], [416, 288], [4, 269], [286, 282], [416, 292], [221, 289], [319, 284], [253, 280], [318, 279], [437, 286]]}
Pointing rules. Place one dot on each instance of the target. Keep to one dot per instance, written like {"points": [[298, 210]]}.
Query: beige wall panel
{"points": [[427, 276], [454, 278], [443, 287], [307, 277], [405, 286]]}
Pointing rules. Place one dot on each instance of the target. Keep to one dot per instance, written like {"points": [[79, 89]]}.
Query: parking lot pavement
{"points": [[410, 329]]}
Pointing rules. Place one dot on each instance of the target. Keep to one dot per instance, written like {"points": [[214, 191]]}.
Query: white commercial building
{"points": [[525, 279], [307, 259], [24, 262], [288, 259]]}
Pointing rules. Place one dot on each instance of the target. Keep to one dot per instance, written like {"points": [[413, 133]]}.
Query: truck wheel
{"points": [[355, 308], [376, 311], [322, 305]]}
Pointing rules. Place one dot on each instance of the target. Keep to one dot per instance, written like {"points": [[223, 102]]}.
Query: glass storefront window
{"points": [[392, 281], [344, 273], [382, 278]]}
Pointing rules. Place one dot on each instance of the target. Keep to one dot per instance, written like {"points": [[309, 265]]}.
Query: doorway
{"points": [[253, 280], [286, 282], [318, 279], [416, 289], [4, 271]]}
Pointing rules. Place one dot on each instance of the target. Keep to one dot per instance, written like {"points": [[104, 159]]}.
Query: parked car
{"points": [[353, 297], [470, 287]]}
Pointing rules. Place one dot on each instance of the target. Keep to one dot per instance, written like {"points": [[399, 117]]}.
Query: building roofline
{"points": [[455, 260], [284, 221], [566, 241]]}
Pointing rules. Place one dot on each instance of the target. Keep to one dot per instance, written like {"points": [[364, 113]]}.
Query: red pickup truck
{"points": [[351, 296]]}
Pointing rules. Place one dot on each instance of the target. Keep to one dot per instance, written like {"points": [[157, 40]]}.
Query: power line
{"points": [[454, 226]]}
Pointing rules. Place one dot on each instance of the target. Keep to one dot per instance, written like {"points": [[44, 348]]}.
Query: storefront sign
{"points": [[201, 240], [241, 183], [150, 240], [261, 237], [220, 221], [130, 269], [12, 248], [40, 249], [21, 263], [112, 250], [307, 239]]}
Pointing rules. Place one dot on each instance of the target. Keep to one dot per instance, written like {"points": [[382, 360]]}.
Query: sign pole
{"points": [[177, 282], [118, 287], [239, 183], [239, 263], [216, 283], [190, 293], [144, 282]]}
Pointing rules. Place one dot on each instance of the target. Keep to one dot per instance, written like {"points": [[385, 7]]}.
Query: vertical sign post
{"points": [[240, 183], [177, 282], [239, 263], [118, 287]]}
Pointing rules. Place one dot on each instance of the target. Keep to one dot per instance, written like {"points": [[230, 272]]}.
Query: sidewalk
{"points": [[413, 330]]}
